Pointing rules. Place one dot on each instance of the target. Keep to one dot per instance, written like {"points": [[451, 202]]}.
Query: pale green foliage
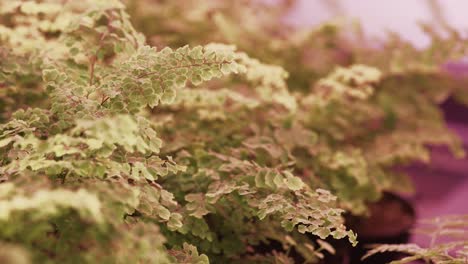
{"points": [[189, 254], [11, 254], [146, 78], [168, 153], [82, 158], [48, 202], [318, 51], [209, 103], [89, 149], [269, 80], [343, 119], [354, 82]]}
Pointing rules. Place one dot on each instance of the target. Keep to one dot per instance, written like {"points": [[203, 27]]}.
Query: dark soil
{"points": [[389, 222]]}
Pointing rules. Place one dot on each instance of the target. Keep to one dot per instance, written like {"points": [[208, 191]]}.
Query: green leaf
{"points": [[162, 212], [292, 182], [169, 96], [196, 80], [50, 75], [196, 52], [175, 222]]}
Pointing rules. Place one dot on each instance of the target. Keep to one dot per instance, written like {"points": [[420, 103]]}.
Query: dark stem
{"points": [[92, 63], [104, 100]]}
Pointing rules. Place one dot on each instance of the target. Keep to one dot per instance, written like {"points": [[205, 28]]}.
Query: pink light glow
{"points": [[378, 17]]}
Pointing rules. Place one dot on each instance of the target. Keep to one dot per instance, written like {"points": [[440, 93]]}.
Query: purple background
{"points": [[377, 17]]}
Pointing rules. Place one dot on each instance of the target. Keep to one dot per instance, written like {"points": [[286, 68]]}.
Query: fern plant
{"points": [[180, 149], [109, 154], [370, 110], [367, 110]]}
